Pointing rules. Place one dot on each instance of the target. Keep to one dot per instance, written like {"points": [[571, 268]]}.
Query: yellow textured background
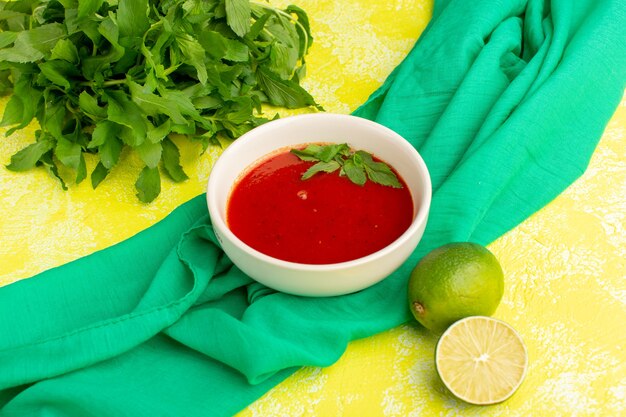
{"points": [[564, 267]]}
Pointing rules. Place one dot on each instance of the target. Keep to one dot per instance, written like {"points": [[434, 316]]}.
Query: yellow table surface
{"points": [[564, 267]]}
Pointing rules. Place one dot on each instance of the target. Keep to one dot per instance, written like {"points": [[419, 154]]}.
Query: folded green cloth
{"points": [[506, 101]]}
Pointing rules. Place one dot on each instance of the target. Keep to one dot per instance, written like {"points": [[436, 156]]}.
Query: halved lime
{"points": [[481, 360]]}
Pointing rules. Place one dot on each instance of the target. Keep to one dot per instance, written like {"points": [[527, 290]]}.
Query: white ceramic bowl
{"points": [[330, 279]]}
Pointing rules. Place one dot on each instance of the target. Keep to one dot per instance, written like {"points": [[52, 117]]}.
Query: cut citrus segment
{"points": [[481, 360]]}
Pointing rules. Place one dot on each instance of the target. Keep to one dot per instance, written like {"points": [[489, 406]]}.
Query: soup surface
{"points": [[322, 220]]}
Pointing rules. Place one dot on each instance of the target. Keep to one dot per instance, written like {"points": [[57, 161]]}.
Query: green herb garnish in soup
{"points": [[358, 166], [303, 206]]}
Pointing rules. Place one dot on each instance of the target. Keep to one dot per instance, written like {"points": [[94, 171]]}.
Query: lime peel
{"points": [[454, 281]]}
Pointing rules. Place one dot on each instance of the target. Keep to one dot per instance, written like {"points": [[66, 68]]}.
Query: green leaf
{"points": [[69, 3], [74, 25], [207, 102], [236, 51], [154, 105], [315, 152], [321, 167], [357, 158], [22, 105], [157, 134], [284, 93], [12, 13], [89, 105], [6, 86], [283, 60], [379, 172], [110, 151], [104, 129], [110, 30], [69, 153], [303, 27], [57, 72], [310, 153], [237, 111], [7, 38], [186, 129], [54, 117], [214, 43], [98, 174], [13, 112], [382, 178], [123, 111], [93, 65], [355, 173], [328, 152], [87, 8], [42, 38], [20, 54], [182, 102], [171, 161], [234, 130], [206, 139], [132, 18], [194, 54], [150, 153], [283, 29], [258, 26], [148, 184], [50, 166], [65, 50], [28, 157], [154, 67], [81, 170], [128, 137], [195, 7], [238, 14]]}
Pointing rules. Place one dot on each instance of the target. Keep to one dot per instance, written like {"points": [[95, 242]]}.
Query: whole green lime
{"points": [[455, 281]]}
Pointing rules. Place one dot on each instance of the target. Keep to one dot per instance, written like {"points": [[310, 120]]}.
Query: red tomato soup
{"points": [[322, 220]]}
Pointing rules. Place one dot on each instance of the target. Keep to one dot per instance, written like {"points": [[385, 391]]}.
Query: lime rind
{"points": [[454, 281]]}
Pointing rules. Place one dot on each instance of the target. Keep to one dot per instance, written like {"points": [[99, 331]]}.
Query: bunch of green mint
{"points": [[101, 75]]}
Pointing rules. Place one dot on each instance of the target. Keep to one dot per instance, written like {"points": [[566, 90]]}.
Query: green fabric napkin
{"points": [[505, 100]]}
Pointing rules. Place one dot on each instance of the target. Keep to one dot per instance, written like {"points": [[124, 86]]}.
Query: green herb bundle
{"points": [[102, 75]]}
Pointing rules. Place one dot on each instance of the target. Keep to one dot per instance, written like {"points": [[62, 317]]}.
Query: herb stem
{"points": [[170, 69], [113, 82], [109, 83], [68, 106]]}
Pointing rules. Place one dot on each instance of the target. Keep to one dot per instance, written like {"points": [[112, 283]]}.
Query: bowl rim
{"points": [[421, 217]]}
